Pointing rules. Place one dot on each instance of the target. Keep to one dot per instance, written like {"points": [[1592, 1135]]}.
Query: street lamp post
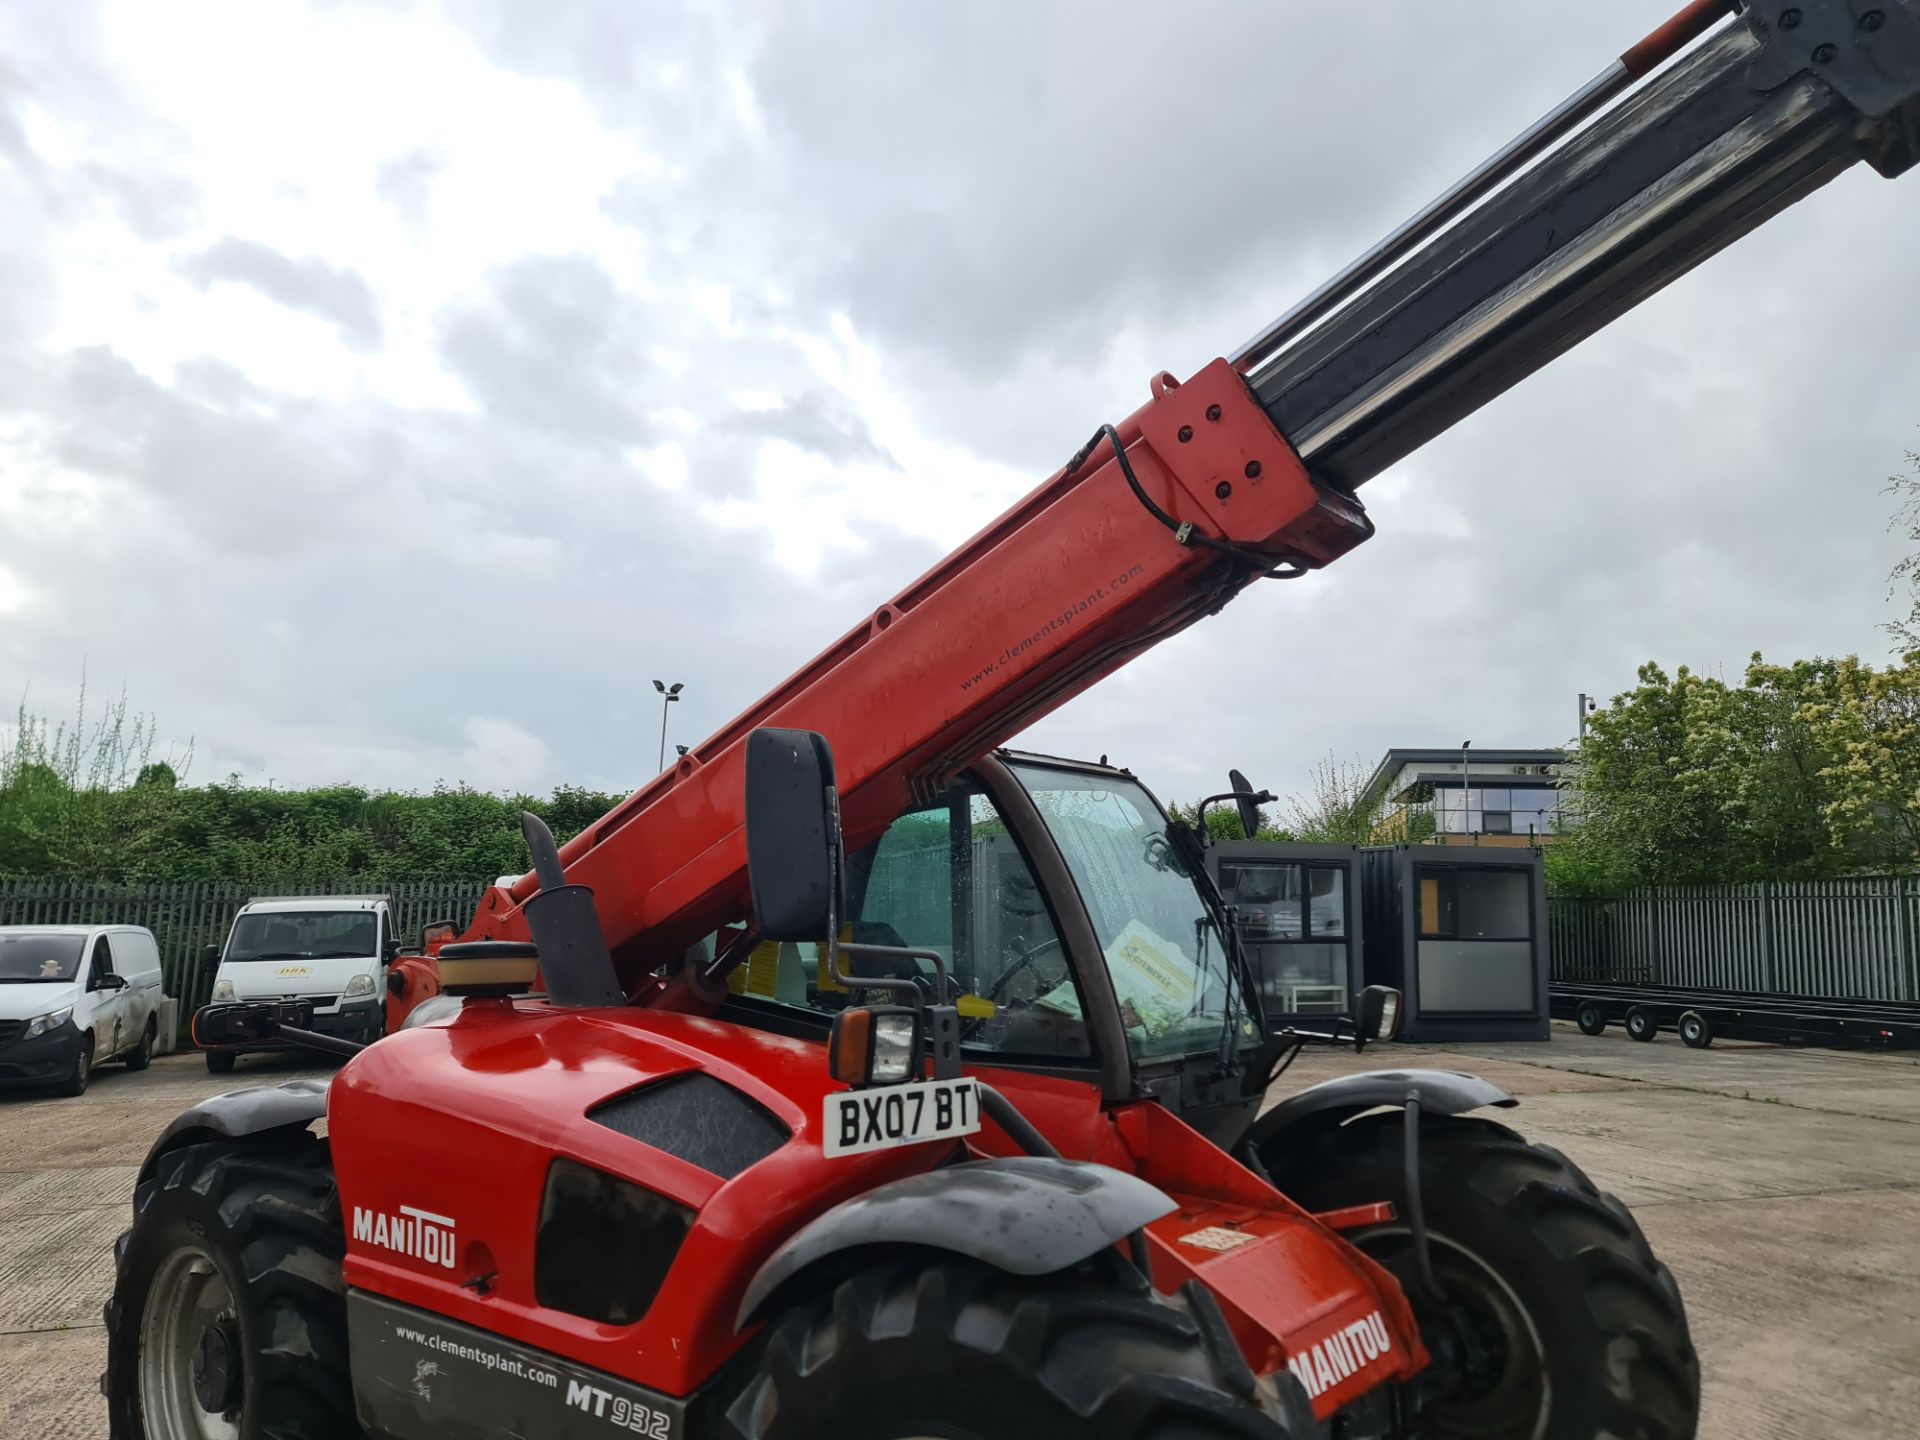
{"points": [[1466, 813], [668, 694]]}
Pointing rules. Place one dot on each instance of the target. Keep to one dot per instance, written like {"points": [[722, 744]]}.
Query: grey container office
{"points": [[1461, 932]]}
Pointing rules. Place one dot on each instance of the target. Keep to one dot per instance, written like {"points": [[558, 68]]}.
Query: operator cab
{"points": [[1078, 937]]}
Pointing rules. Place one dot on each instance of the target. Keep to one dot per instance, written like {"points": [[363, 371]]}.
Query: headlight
{"points": [[893, 1048], [42, 1024], [874, 1045], [223, 990], [359, 985]]}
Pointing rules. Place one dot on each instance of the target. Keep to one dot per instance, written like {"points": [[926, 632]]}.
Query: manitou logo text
{"points": [[1345, 1352], [419, 1233]]}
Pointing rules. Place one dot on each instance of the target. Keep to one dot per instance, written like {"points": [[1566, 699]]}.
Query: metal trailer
{"points": [[1700, 1016]]}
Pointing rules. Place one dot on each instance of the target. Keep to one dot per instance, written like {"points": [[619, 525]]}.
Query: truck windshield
{"points": [[25, 958], [1171, 968], [304, 935]]}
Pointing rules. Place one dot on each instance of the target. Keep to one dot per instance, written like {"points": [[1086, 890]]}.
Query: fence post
{"points": [[1769, 978]]}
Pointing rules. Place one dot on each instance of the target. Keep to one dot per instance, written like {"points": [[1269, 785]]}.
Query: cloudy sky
{"points": [[388, 393]]}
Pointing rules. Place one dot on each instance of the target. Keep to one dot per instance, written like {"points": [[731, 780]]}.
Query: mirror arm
{"points": [[904, 953], [733, 957]]}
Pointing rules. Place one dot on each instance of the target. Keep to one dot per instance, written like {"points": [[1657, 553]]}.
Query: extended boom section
{"points": [[1249, 468]]}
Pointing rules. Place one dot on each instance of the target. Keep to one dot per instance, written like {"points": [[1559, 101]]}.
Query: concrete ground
{"points": [[1782, 1187]]}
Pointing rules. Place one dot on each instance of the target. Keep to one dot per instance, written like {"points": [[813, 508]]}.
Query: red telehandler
{"points": [[859, 1078]]}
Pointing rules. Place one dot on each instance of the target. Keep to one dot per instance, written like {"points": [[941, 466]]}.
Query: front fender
{"points": [[239, 1113], [1334, 1102], [1026, 1214]]}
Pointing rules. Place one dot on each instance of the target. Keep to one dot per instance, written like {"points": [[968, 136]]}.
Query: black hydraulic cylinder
{"points": [[1766, 109]]}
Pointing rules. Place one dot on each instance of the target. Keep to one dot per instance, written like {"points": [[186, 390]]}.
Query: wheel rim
{"points": [[191, 1371], [83, 1063], [1483, 1332]]}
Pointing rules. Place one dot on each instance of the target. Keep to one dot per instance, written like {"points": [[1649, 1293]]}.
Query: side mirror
{"points": [[210, 955], [1377, 1015], [793, 835], [1248, 801], [393, 950], [109, 982]]}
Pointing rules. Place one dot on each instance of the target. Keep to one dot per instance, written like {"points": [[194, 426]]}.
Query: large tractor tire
{"points": [[922, 1344], [1556, 1321], [228, 1316]]}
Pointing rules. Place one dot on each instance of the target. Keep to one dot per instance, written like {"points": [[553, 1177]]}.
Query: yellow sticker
{"points": [[763, 969], [975, 1007], [826, 980], [737, 980]]}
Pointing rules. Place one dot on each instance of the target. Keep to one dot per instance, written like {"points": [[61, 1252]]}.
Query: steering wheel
{"points": [[1024, 963]]}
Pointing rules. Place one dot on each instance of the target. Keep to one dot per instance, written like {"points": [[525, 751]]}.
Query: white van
{"points": [[330, 949], [75, 996]]}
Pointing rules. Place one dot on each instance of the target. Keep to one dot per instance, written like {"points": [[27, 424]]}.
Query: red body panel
{"points": [[1283, 1280], [1060, 591], [461, 1120]]}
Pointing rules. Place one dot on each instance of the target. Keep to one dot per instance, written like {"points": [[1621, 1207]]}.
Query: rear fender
{"points": [[238, 1114], [1332, 1103], [1028, 1215]]}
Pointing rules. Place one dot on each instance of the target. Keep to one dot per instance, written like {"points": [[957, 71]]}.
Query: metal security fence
{"points": [[186, 917], [1853, 938]]}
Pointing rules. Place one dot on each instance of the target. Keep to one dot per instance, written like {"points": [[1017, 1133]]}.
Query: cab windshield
{"points": [[26, 958], [1171, 969], [305, 935]]}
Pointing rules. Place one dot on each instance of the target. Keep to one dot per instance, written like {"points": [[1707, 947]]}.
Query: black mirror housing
{"points": [[1246, 803], [1377, 1014], [793, 834]]}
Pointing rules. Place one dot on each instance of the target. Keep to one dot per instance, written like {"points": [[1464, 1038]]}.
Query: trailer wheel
{"points": [[220, 1062], [1641, 1024], [1590, 1018], [1696, 1030], [228, 1316], [1557, 1322], [925, 1343]]}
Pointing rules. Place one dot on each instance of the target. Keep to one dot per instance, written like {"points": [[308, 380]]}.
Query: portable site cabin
{"points": [[1298, 911], [1461, 931]]}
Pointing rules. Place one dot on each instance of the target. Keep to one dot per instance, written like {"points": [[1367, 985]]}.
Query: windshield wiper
{"points": [[273, 955], [338, 955], [33, 979]]}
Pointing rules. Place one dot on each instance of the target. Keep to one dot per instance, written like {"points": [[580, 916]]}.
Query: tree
{"points": [[1804, 770], [1337, 808], [1906, 575], [1223, 821], [1869, 724]]}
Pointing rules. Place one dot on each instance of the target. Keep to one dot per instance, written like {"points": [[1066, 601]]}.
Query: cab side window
{"points": [[102, 965], [950, 879]]}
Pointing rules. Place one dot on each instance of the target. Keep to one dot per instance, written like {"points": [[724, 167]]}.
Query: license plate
{"points": [[889, 1115]]}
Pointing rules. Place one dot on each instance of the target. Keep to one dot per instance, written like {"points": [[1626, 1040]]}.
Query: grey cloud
{"points": [[1026, 211], [406, 183], [555, 346], [335, 294], [813, 421]]}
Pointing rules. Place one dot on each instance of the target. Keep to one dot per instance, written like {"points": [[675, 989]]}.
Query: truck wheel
{"points": [[1557, 1321], [940, 1344], [220, 1062], [1641, 1024], [76, 1083], [1696, 1031], [228, 1317], [141, 1055], [1591, 1019]]}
